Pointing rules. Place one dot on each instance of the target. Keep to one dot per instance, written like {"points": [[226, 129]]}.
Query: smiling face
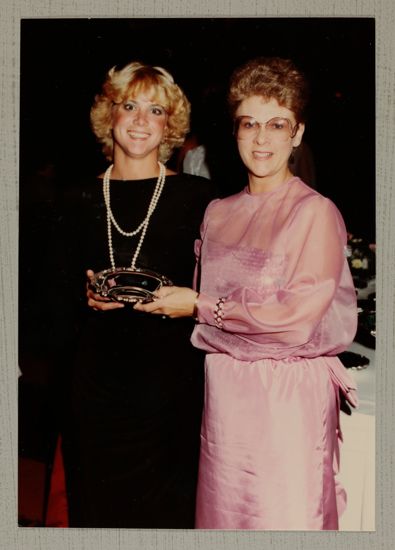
{"points": [[138, 127], [265, 153]]}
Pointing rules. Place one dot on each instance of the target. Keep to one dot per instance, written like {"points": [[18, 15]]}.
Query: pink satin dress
{"points": [[270, 430]]}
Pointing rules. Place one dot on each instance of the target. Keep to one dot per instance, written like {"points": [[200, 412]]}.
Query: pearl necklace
{"points": [[143, 225]]}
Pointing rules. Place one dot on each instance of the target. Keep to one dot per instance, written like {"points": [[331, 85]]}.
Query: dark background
{"points": [[64, 62]]}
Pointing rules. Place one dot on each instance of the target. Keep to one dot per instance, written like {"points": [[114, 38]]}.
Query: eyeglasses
{"points": [[246, 127]]}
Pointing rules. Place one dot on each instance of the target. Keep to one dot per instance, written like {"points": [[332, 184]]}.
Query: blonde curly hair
{"points": [[134, 78], [270, 77]]}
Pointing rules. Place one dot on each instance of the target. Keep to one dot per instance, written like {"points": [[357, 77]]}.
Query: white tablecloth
{"points": [[357, 458]]}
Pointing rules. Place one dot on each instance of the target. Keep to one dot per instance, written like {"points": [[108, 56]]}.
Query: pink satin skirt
{"points": [[269, 444]]}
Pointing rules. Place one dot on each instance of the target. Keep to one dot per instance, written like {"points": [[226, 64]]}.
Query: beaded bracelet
{"points": [[219, 312]]}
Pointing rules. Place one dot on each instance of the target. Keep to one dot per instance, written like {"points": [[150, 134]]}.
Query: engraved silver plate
{"points": [[124, 284]]}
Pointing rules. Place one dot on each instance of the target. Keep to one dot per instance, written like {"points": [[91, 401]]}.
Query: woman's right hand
{"points": [[97, 302]]}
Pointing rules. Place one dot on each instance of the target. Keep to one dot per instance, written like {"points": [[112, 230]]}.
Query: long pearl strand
{"points": [[143, 225]]}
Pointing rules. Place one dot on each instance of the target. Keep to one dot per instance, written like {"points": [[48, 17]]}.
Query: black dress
{"points": [[131, 442]]}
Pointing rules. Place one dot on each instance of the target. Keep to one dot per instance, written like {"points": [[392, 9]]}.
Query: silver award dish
{"points": [[125, 284]]}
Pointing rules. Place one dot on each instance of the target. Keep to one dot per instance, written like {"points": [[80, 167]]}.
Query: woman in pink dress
{"points": [[276, 304]]}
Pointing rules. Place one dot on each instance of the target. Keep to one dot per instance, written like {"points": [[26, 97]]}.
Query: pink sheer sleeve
{"points": [[198, 246], [315, 266]]}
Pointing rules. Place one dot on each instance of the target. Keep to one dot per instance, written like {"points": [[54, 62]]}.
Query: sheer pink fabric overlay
{"points": [[270, 430]]}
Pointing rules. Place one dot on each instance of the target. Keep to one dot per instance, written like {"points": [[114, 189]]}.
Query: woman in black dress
{"points": [[132, 451]]}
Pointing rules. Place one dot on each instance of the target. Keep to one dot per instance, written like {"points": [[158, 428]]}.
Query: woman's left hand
{"points": [[172, 301]]}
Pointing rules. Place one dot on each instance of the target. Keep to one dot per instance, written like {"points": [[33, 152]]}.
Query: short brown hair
{"points": [[270, 77], [134, 78]]}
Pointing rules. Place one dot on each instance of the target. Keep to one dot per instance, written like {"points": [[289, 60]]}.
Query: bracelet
{"points": [[195, 308], [219, 312]]}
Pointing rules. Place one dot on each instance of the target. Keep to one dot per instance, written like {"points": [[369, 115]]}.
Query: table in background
{"points": [[357, 458]]}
